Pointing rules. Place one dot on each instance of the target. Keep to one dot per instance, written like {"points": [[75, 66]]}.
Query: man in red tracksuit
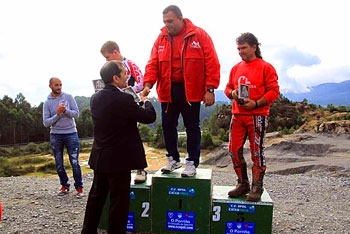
{"points": [[185, 66], [250, 114]]}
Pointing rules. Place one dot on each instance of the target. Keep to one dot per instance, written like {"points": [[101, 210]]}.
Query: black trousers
{"points": [[118, 185]]}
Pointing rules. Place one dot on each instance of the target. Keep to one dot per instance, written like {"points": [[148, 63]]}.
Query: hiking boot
{"points": [[80, 193], [190, 169], [241, 189], [141, 176], [171, 166], [63, 191], [255, 193]]}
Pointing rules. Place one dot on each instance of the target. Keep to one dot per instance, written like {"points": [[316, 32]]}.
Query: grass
{"points": [[38, 165], [44, 165]]}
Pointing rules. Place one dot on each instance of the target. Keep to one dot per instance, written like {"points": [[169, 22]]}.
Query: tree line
{"points": [[21, 123]]}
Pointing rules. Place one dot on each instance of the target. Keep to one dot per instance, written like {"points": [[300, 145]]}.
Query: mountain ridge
{"points": [[322, 94]]}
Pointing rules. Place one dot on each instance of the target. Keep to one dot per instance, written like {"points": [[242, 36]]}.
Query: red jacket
{"points": [[262, 80], [200, 64]]}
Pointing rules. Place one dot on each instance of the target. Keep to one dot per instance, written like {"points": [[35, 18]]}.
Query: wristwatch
{"points": [[210, 90]]}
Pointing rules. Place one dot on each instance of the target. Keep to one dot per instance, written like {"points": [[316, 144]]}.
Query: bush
{"points": [[291, 130], [85, 144], [146, 133], [12, 169], [17, 151], [207, 141], [49, 167], [4, 164], [29, 160], [182, 142], [217, 142], [44, 148], [4, 152], [285, 131], [224, 134], [158, 140], [30, 148]]}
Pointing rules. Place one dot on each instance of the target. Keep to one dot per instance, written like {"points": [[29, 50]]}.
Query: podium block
{"points": [[236, 215], [140, 207], [181, 204]]}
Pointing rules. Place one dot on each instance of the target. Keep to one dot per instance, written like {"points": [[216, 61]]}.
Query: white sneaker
{"points": [[190, 169], [141, 176], [171, 166]]}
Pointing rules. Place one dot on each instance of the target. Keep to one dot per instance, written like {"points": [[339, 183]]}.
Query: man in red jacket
{"points": [[253, 86], [185, 66]]}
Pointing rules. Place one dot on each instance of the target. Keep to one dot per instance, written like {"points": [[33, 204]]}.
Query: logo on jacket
{"points": [[195, 44], [160, 48], [244, 80]]}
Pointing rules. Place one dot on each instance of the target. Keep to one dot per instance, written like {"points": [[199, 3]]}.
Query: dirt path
{"points": [[296, 154]]}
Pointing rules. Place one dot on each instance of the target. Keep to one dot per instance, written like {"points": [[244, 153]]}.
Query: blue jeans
{"points": [[71, 141], [190, 114]]}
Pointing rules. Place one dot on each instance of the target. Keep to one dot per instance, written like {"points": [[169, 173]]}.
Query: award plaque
{"points": [[132, 92], [98, 85], [243, 92]]}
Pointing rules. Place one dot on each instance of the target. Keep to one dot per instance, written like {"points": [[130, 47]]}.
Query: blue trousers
{"points": [[71, 142], [190, 114]]}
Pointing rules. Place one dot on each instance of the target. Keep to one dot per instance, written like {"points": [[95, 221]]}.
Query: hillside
{"points": [[324, 94]]}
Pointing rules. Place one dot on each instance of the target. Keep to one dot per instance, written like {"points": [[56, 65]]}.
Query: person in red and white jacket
{"points": [[110, 50], [250, 114], [185, 66]]}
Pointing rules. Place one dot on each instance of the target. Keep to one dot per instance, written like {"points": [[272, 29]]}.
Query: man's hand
{"points": [[234, 94], [248, 104], [60, 109], [144, 98], [146, 90], [209, 98]]}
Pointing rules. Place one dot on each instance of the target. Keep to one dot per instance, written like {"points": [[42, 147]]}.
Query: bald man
{"points": [[59, 112]]}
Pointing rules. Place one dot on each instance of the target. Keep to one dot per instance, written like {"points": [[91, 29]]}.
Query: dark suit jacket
{"points": [[117, 143]]}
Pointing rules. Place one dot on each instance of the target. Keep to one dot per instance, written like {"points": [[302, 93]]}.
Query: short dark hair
{"points": [[175, 9], [251, 40], [110, 69], [110, 46]]}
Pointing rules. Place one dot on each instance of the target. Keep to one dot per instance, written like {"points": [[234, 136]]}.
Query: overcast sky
{"points": [[307, 41]]}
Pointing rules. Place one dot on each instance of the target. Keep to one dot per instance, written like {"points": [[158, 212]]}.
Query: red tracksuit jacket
{"points": [[200, 64], [262, 80]]}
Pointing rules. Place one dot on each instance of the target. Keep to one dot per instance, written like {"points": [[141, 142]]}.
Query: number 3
{"points": [[216, 216]]}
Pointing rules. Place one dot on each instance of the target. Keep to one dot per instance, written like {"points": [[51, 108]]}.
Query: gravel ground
{"points": [[303, 203]]}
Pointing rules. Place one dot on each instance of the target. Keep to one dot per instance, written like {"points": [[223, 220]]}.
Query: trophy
{"points": [[132, 92], [98, 84], [243, 92]]}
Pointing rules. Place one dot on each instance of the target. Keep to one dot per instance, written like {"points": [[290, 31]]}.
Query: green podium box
{"points": [[140, 207], [181, 204], [236, 215]]}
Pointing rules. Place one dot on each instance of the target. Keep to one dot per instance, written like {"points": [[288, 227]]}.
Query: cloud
{"points": [[292, 56], [287, 58]]}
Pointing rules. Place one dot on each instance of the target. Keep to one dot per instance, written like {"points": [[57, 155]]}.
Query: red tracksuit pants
{"points": [[253, 127]]}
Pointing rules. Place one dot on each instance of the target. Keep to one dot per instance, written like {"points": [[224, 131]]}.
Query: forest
{"points": [[21, 123]]}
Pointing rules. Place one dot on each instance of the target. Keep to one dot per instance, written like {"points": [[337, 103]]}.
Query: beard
{"points": [[56, 92]]}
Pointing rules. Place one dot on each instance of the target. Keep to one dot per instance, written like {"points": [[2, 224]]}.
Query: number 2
{"points": [[145, 205]]}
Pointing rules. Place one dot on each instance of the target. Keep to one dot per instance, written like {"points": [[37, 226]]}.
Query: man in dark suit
{"points": [[117, 148]]}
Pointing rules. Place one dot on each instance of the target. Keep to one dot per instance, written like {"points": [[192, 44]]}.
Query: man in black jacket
{"points": [[117, 148]]}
